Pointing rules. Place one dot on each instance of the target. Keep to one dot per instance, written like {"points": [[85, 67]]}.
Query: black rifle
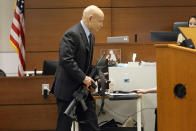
{"points": [[81, 95]]}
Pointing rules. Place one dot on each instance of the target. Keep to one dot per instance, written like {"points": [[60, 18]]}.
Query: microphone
{"points": [[135, 38]]}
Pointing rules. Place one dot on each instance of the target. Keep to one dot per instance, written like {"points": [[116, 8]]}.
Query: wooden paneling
{"points": [[22, 106], [141, 21], [176, 65], [150, 3], [34, 60], [46, 22], [28, 117], [145, 52], [105, 3], [45, 27], [25, 90], [65, 3]]}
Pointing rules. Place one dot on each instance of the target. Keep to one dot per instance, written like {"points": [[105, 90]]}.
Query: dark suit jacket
{"points": [[74, 63]]}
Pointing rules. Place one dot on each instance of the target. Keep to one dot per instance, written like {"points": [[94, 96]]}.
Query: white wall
{"points": [[6, 16], [8, 57], [8, 63]]}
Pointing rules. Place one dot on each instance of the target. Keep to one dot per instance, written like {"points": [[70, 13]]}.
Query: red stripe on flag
{"points": [[19, 52], [17, 17], [22, 35], [19, 74], [16, 30]]}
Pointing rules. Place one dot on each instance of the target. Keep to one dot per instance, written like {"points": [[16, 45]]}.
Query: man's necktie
{"points": [[91, 43]]}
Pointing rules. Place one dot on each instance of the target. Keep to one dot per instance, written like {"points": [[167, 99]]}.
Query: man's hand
{"points": [[87, 81], [106, 74], [90, 89]]}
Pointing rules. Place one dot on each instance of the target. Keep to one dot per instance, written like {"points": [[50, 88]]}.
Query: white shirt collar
{"points": [[87, 32]]}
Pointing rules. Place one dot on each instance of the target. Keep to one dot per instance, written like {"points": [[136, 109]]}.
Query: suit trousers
{"points": [[87, 120]]}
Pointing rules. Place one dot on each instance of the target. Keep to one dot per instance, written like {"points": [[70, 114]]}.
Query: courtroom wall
{"points": [[46, 22], [6, 16]]}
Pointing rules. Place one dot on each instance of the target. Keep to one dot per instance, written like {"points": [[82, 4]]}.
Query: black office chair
{"points": [[49, 67], [179, 24], [2, 73]]}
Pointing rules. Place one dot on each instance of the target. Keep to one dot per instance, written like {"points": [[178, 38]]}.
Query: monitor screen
{"points": [[163, 36], [176, 25], [49, 67]]}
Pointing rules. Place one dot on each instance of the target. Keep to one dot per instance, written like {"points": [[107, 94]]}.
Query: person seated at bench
{"points": [[191, 24]]}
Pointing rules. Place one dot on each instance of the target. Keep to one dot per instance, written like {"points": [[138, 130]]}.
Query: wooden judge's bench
{"points": [[176, 82]]}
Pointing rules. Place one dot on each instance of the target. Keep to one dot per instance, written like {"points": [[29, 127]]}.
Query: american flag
{"points": [[17, 38]]}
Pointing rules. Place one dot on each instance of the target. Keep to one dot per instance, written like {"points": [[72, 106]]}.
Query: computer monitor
{"points": [[163, 36], [49, 67], [176, 25]]}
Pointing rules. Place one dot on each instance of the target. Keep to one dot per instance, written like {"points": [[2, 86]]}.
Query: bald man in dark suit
{"points": [[75, 63]]}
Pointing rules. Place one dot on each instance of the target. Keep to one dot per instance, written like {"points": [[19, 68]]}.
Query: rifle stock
{"points": [[70, 111]]}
